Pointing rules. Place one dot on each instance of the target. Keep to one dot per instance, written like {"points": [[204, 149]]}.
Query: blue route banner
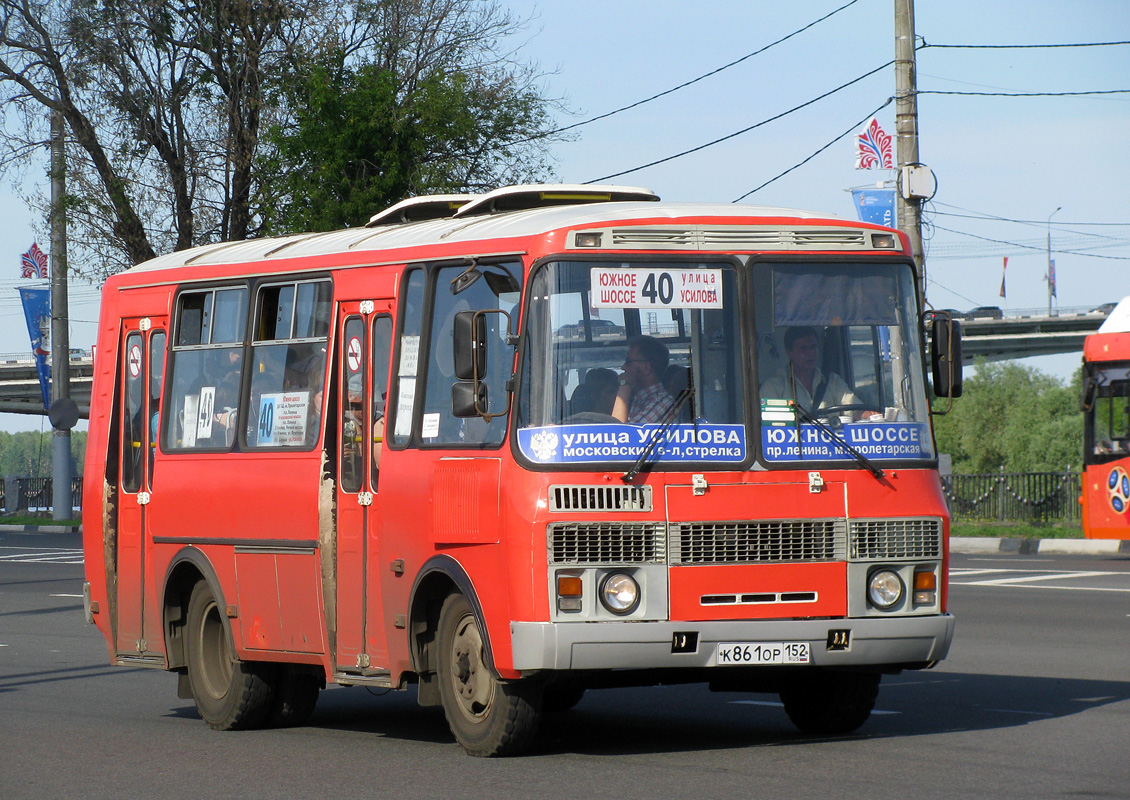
{"points": [[872, 439], [617, 442], [875, 205], [37, 312]]}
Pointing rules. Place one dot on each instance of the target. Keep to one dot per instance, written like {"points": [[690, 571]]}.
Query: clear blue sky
{"points": [[1016, 158]]}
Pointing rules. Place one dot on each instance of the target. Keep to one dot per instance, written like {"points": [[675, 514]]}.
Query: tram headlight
{"points": [[884, 588], [620, 593]]}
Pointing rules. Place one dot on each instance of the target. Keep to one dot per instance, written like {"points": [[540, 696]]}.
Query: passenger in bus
{"points": [[677, 379], [802, 380], [642, 398], [226, 408], [596, 394]]}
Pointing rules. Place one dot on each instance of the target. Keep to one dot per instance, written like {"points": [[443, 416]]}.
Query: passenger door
{"points": [[140, 373], [363, 344]]}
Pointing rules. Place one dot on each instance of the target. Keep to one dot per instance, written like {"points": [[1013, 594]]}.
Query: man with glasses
{"points": [[642, 398]]}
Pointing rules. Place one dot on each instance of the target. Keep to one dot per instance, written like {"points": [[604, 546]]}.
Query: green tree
{"points": [[28, 453], [361, 142], [1013, 416]]}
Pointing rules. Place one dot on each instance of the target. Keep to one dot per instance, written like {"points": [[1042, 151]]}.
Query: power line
{"points": [[743, 130], [1030, 247], [926, 44], [818, 152], [1026, 94], [974, 214], [685, 84]]}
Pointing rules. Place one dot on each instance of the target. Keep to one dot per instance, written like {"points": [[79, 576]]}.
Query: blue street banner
{"points": [[579, 444], [37, 312], [875, 205]]}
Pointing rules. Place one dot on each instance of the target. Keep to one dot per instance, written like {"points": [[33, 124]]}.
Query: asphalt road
{"points": [[1034, 702]]}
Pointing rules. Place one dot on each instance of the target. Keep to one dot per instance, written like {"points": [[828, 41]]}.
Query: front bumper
{"points": [[645, 645]]}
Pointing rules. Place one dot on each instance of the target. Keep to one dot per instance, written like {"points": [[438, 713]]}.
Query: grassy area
{"points": [[39, 520], [1018, 530]]}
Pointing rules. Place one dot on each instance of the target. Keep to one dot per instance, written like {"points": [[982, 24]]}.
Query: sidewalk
{"points": [[39, 529], [972, 545]]}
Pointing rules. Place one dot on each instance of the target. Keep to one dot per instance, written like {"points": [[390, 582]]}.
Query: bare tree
{"points": [[166, 102]]}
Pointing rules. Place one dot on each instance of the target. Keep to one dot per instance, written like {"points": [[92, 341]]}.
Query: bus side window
{"points": [[156, 377], [290, 336], [382, 346], [205, 369]]}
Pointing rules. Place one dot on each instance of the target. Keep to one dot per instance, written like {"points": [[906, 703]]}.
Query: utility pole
{"points": [[908, 198], [62, 413], [1050, 276]]}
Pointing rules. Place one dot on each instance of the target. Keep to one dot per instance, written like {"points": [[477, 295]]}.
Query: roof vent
{"points": [[542, 195], [418, 209]]}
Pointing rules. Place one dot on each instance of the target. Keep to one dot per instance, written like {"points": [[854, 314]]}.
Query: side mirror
{"points": [[945, 355], [1090, 389], [468, 398], [470, 345]]}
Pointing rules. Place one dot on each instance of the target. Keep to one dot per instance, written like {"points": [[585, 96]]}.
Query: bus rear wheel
{"points": [[296, 695], [827, 702], [488, 716], [230, 694]]}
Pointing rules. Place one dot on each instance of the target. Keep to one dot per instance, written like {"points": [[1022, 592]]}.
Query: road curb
{"points": [[975, 545], [39, 529]]}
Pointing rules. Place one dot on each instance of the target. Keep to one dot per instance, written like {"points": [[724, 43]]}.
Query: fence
{"points": [[1000, 497], [1014, 497], [35, 494]]}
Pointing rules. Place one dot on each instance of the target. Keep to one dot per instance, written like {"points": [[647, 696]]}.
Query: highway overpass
{"points": [[1018, 334]]}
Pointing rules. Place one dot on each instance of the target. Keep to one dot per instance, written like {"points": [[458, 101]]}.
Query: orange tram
{"points": [[1106, 428]]}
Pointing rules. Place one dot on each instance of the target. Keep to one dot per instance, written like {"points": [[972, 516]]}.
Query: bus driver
{"points": [[802, 379]]}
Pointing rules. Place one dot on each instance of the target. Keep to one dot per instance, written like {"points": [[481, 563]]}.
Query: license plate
{"points": [[762, 653]]}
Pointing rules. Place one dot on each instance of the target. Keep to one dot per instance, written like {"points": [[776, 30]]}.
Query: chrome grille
{"points": [[749, 542], [599, 498], [879, 539], [736, 237], [606, 543], [833, 237]]}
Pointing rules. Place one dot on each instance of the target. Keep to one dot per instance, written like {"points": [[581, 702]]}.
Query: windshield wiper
{"points": [[834, 435], [660, 432]]}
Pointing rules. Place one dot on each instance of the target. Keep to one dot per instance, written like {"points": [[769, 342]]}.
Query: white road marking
{"points": [[1053, 576], [44, 556]]}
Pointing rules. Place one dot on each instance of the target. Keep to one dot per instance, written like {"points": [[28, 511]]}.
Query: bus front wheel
{"points": [[488, 716], [230, 694], [827, 702]]}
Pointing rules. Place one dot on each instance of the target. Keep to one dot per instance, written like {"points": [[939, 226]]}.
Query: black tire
{"points": [[561, 694], [296, 695], [830, 703], [488, 716], [230, 694]]}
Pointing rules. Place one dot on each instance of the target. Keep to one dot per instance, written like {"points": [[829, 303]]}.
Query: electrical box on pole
{"points": [[908, 200]]}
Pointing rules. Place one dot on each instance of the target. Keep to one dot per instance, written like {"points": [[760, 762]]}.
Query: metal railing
{"points": [[1014, 497], [35, 494], [997, 497]]}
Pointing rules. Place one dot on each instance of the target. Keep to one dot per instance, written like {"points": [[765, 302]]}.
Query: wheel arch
{"points": [[440, 576], [187, 568]]}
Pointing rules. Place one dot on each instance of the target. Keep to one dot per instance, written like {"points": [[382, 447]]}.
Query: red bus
{"points": [[509, 447], [1106, 428]]}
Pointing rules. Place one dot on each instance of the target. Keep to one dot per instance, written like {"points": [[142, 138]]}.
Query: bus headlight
{"points": [[884, 588], [619, 593]]}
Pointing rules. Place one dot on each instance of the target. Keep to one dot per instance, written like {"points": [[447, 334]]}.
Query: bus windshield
{"points": [[1107, 423], [841, 341], [649, 355]]}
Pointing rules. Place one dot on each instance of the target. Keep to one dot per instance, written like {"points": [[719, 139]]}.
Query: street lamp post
{"points": [[1050, 276]]}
